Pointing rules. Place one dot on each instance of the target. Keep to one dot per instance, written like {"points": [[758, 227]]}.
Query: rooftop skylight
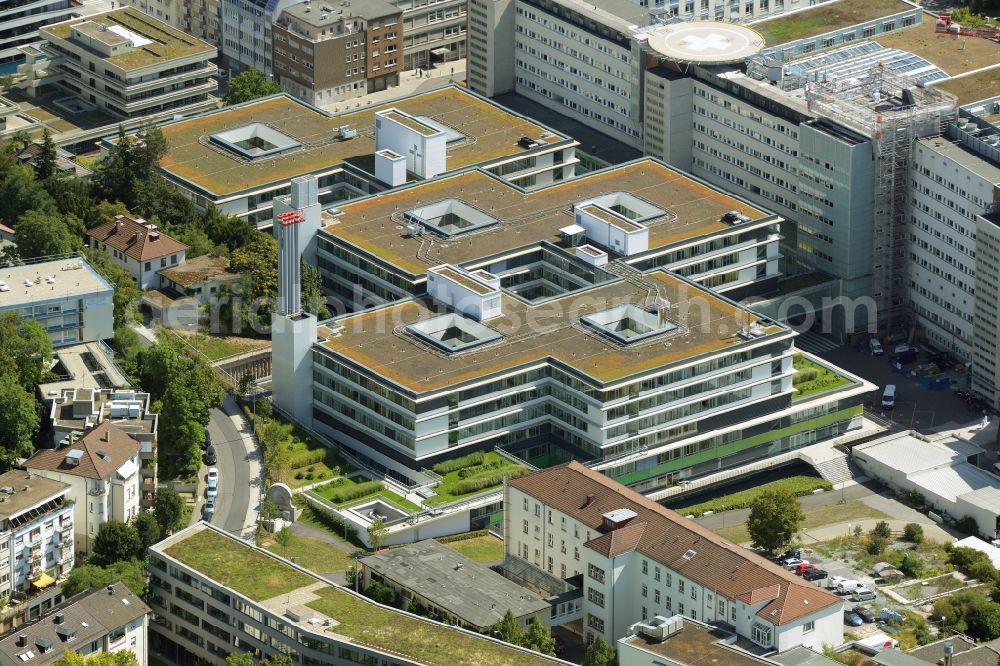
{"points": [[255, 141], [629, 323], [453, 332], [450, 217]]}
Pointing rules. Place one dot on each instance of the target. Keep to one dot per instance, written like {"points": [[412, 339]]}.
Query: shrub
{"points": [[805, 375], [968, 525], [334, 523], [345, 493], [486, 480], [876, 545], [913, 532], [469, 460], [307, 457], [882, 530], [309, 476], [462, 537], [478, 469], [796, 485], [299, 475], [911, 565]]}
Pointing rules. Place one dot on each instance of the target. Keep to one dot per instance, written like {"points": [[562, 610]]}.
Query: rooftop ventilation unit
{"points": [[660, 628], [527, 142], [347, 132]]}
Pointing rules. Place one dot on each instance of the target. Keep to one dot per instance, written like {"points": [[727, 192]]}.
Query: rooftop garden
{"points": [[312, 553], [471, 475], [479, 546], [827, 17], [811, 378], [345, 492], [248, 571], [420, 640], [796, 485]]}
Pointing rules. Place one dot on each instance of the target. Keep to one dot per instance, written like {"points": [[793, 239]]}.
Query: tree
{"points": [[18, 420], [45, 164], [277, 459], [125, 301], [168, 508], [539, 638], [147, 528], [313, 300], [775, 517], [20, 192], [508, 629], [86, 576], [876, 545], [911, 565], [116, 542], [377, 532], [44, 234], [284, 538], [258, 262], [882, 530], [121, 658], [599, 653], [25, 349], [128, 347], [130, 166], [20, 140], [249, 85], [913, 532], [239, 659]]}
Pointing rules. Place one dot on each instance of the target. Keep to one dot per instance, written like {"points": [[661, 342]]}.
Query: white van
{"points": [[889, 397]]}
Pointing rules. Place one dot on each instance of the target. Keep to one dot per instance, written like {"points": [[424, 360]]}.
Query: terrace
{"points": [[293, 593], [689, 209], [492, 133], [823, 18]]}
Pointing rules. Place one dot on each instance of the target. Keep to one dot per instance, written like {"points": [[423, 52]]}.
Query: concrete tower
{"points": [[293, 331]]}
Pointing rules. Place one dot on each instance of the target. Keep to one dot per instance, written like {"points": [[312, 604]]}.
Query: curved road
{"points": [[239, 485]]}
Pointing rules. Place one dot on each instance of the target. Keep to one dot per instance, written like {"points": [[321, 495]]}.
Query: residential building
{"points": [[337, 49], [126, 64], [464, 365], [454, 588], [200, 278], [36, 532], [433, 32], [64, 162], [942, 469], [66, 296], [102, 471], [76, 411], [20, 23], [105, 619], [640, 560], [199, 18], [209, 606], [139, 246], [298, 140]]}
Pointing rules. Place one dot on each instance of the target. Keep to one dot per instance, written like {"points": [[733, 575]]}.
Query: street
{"points": [[238, 487]]}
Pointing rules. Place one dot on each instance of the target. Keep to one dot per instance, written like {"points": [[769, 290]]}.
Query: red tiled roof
{"points": [[680, 544], [136, 239], [105, 449]]}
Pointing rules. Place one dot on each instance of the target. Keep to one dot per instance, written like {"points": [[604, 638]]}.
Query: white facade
{"points": [[423, 146], [71, 300], [20, 24], [626, 588], [36, 533]]}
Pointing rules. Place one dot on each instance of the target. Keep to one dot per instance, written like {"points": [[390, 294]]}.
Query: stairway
{"points": [[839, 469]]}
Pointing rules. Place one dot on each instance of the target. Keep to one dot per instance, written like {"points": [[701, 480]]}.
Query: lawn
{"points": [[812, 378], [420, 640], [484, 549], [797, 485], [239, 567], [815, 517], [488, 473], [310, 516], [308, 460], [328, 492], [311, 553], [215, 347]]}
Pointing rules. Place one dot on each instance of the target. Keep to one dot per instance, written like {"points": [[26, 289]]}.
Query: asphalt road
{"points": [[235, 489]]}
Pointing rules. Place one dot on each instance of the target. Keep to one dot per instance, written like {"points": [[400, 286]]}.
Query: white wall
{"points": [[424, 153]]}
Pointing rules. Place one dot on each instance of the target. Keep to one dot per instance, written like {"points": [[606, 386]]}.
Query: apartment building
{"points": [[465, 130], [105, 619], [209, 605], [36, 532], [139, 246], [19, 24], [334, 50], [102, 471], [76, 411], [126, 63], [199, 18], [433, 32], [71, 300], [640, 560]]}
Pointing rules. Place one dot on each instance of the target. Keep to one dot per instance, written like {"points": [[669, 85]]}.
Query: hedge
{"points": [[796, 485], [479, 469], [469, 460], [472, 484], [346, 493], [306, 458], [475, 534]]}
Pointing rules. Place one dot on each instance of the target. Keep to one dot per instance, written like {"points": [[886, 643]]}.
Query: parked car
{"points": [[208, 510], [863, 594], [848, 586], [905, 349], [207, 442], [890, 615], [815, 574], [803, 568], [794, 564], [210, 457], [788, 555], [852, 619], [875, 346], [864, 613], [213, 483]]}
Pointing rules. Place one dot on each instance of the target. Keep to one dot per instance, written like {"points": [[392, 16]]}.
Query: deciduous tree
{"points": [[18, 420], [775, 517], [508, 629], [599, 653], [85, 576], [377, 532], [539, 638], [168, 508], [249, 85], [116, 542], [147, 528], [44, 234]]}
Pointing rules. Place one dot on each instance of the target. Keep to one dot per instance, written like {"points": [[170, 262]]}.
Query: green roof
{"points": [[167, 43], [825, 17], [260, 576]]}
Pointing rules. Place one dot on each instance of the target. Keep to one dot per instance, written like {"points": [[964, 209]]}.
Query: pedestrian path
{"points": [[815, 343]]}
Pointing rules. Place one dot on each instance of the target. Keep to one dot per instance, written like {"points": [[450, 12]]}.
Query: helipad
{"points": [[706, 42]]}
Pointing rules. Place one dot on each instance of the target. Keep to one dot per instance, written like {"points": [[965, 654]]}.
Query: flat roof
{"points": [[550, 331], [68, 410], [449, 580], [706, 42], [354, 619], [954, 56], [695, 644], [27, 491], [491, 132], [825, 17], [161, 43], [974, 87], [964, 157], [72, 276], [958, 480], [327, 12], [909, 454], [693, 209], [206, 268]]}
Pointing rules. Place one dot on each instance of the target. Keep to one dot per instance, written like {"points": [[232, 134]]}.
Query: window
{"points": [[761, 634], [576, 553], [550, 516], [525, 503], [645, 568], [595, 623], [656, 596], [563, 521], [595, 597], [551, 541], [562, 547], [163, 262], [595, 572], [538, 510], [525, 527], [562, 570], [680, 609], [694, 593], [669, 580], [656, 573], [680, 586], [808, 626], [148, 266], [550, 564], [644, 613], [645, 590]]}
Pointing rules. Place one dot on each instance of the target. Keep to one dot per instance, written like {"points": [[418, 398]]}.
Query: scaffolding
{"points": [[893, 111]]}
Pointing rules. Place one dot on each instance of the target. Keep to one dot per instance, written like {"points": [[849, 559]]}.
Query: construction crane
{"points": [[946, 25]]}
